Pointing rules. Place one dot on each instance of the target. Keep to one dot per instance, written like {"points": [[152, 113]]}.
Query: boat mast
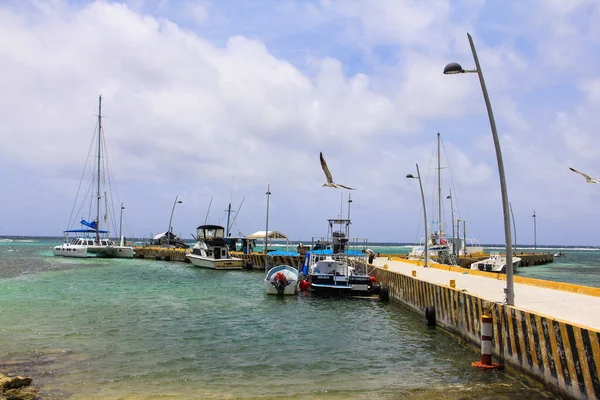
{"points": [[98, 170], [439, 170]]}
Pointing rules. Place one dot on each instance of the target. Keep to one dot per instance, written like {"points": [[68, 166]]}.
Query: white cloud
{"points": [[187, 110]]}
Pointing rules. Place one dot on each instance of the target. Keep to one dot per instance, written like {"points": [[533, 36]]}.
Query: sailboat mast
{"points": [[439, 171], [98, 197]]}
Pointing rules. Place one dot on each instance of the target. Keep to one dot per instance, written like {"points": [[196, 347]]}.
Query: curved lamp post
{"points": [[172, 211], [267, 228], [121, 226], [452, 219], [534, 233], [411, 176], [455, 68]]}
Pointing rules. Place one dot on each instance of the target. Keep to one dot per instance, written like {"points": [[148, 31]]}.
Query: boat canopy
{"points": [[271, 235]]}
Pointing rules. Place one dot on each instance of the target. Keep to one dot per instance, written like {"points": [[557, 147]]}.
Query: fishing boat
{"points": [[282, 280], [340, 268], [211, 250], [91, 239], [495, 263]]}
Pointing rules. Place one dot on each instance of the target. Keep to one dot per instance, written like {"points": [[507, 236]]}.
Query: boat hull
{"points": [[80, 251], [212, 263], [495, 265]]}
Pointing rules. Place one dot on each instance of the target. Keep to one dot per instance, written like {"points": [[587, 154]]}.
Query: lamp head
{"points": [[453, 68], [179, 202], [411, 176]]}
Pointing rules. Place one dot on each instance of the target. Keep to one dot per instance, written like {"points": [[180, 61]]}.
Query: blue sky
{"points": [[218, 99]]}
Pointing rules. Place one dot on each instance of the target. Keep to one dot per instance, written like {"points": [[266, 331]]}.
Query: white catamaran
{"points": [[90, 239]]}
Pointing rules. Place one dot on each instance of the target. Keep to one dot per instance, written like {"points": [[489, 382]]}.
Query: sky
{"points": [[214, 102]]}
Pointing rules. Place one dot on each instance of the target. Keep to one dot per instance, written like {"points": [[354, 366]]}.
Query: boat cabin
{"points": [[211, 242]]}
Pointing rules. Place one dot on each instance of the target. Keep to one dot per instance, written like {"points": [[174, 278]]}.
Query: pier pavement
{"points": [[570, 303]]}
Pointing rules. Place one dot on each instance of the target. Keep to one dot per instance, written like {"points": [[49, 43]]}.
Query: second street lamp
{"points": [[424, 212], [455, 68], [169, 235]]}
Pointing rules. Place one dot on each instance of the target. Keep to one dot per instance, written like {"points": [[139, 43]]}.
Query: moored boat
{"points": [[495, 263], [340, 267], [91, 239], [282, 280], [211, 250]]}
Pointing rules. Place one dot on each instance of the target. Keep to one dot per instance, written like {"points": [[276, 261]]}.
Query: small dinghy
{"points": [[282, 280]]}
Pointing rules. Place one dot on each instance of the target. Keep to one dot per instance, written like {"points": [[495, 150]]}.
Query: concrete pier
{"points": [[552, 334]]}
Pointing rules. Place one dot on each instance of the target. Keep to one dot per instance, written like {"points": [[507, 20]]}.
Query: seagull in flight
{"points": [[588, 178], [330, 182]]}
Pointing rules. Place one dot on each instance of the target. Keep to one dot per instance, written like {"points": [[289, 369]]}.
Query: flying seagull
{"points": [[588, 178], [330, 182]]}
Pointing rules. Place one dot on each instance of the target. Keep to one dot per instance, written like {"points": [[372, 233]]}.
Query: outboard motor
{"points": [[279, 281]]}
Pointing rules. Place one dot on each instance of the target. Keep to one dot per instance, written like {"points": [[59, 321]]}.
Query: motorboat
{"points": [[495, 263], [211, 250], [91, 239], [282, 280], [342, 268], [559, 254]]}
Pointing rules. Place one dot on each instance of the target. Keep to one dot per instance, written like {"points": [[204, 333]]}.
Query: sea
{"points": [[148, 329]]}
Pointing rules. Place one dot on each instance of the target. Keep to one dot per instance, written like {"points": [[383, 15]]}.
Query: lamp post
{"points": [[267, 227], [455, 68], [534, 233], [171, 219], [121, 226], [424, 211], [452, 219]]}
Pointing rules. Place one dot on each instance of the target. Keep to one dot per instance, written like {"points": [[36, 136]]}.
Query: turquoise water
{"points": [[146, 329]]}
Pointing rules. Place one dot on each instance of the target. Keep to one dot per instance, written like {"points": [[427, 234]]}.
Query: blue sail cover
{"points": [[92, 224]]}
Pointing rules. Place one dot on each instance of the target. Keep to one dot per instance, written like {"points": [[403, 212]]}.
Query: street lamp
{"points": [[534, 233], [267, 227], [171, 219], [455, 68], [424, 210], [452, 219], [121, 226]]}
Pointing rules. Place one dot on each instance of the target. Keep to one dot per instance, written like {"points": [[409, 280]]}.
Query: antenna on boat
{"points": [[229, 208], [236, 214], [207, 211]]}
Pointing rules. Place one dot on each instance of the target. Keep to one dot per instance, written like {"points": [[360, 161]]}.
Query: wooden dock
{"points": [[161, 253]]}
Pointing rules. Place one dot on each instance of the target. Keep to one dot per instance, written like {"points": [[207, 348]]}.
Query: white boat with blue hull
{"points": [[282, 280], [337, 264]]}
